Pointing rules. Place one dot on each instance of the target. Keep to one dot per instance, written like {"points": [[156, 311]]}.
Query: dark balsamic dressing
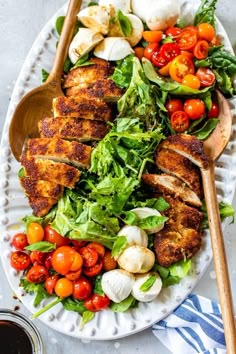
{"points": [[13, 339]]}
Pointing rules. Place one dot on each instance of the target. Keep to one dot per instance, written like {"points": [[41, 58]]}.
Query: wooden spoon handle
{"points": [[64, 41], [220, 262]]}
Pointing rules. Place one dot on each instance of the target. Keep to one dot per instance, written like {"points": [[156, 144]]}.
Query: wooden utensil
{"points": [[38, 103], [214, 146]]}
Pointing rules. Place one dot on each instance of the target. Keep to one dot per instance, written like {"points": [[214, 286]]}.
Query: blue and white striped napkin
{"points": [[194, 327]]}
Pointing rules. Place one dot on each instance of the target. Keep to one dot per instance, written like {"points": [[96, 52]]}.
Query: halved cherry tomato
{"points": [[164, 71], [192, 81], [152, 36], [179, 121], [35, 233], [48, 260], [195, 108], [98, 247], [206, 31], [206, 76], [19, 260], [54, 237], [97, 302], [180, 67], [201, 49], [73, 275], [169, 51], [139, 52], [187, 39], [109, 262], [192, 28], [214, 111], [215, 41], [82, 289], [187, 54], [63, 287], [150, 49], [37, 274], [20, 241], [77, 244], [37, 257], [173, 31], [89, 255], [173, 105], [158, 60], [66, 259], [50, 283], [93, 270]]}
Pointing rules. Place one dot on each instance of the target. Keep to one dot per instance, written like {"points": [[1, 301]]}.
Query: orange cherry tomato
{"points": [[214, 111], [206, 31], [93, 270], [98, 247], [139, 52], [73, 275], [201, 49], [192, 81], [66, 259], [54, 237], [187, 54], [180, 67], [152, 36], [35, 233], [164, 71], [179, 121], [195, 108], [206, 76], [63, 287], [187, 39], [173, 105], [150, 49], [109, 262], [215, 41]]}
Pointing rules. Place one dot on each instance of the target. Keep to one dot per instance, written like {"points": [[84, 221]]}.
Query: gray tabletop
{"points": [[20, 22]]}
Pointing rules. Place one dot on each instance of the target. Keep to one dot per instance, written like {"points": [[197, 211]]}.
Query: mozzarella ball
{"points": [[136, 259], [144, 213], [123, 5], [163, 14], [95, 17], [151, 293], [113, 48], [137, 30], [117, 284], [134, 235]]}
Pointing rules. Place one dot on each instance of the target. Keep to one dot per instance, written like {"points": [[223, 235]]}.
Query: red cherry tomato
{"points": [[109, 262], [158, 60], [73, 275], [97, 302], [173, 31], [195, 108], [214, 111], [187, 39], [201, 49], [19, 260], [93, 270], [179, 121], [89, 255], [206, 76], [37, 257], [192, 28], [77, 244], [173, 105], [50, 283], [19, 241], [149, 49], [180, 67], [37, 274], [48, 260], [169, 51], [54, 237], [66, 259], [98, 247], [82, 289]]}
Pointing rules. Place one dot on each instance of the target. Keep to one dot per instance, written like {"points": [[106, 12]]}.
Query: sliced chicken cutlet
{"points": [[56, 149], [72, 128], [165, 183], [77, 107], [48, 170], [188, 146], [180, 238], [41, 188], [83, 75], [177, 165], [104, 89], [41, 205]]}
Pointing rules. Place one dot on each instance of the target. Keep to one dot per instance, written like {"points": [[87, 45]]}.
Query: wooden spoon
{"points": [[214, 146], [38, 103]]}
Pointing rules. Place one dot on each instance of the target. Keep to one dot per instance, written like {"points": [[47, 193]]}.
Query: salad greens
{"points": [[206, 13]]}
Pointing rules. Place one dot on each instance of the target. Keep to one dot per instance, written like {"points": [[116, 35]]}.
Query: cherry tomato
{"points": [[54, 237], [50, 283], [173, 31], [169, 51], [180, 67], [48, 260], [187, 54], [139, 52], [164, 71], [187, 39], [215, 41], [82, 289], [63, 287], [97, 302], [195, 108], [206, 76], [214, 111], [179, 121], [158, 60], [20, 241], [152, 36], [37, 274], [192, 28], [77, 244], [98, 247], [173, 105], [201, 49], [109, 262], [19, 260], [89, 255], [35, 233], [206, 31], [37, 257], [192, 81], [93, 270], [66, 259], [73, 275], [150, 49]]}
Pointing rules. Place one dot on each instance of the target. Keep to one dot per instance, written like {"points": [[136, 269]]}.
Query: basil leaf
{"points": [[21, 172], [123, 305], [82, 61], [151, 221], [119, 246], [130, 218], [42, 246], [92, 3], [148, 283], [161, 204], [44, 74], [207, 128], [59, 24], [70, 304], [124, 23], [86, 317], [98, 285]]}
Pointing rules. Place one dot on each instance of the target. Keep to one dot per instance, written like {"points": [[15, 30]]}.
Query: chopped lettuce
{"points": [[173, 274]]}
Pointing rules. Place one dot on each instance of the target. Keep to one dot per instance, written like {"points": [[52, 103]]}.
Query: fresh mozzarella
{"points": [[144, 213], [113, 48], [151, 293], [83, 42], [95, 17], [134, 235], [123, 5], [136, 259], [117, 284], [137, 30], [163, 14], [140, 8]]}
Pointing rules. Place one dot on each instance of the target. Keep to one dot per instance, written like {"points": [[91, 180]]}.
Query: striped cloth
{"points": [[194, 327]]}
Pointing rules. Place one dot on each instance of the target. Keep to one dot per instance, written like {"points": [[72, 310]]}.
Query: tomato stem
{"points": [[46, 308]]}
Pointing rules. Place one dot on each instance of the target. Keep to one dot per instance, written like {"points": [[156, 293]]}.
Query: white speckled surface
{"points": [[20, 23]]}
